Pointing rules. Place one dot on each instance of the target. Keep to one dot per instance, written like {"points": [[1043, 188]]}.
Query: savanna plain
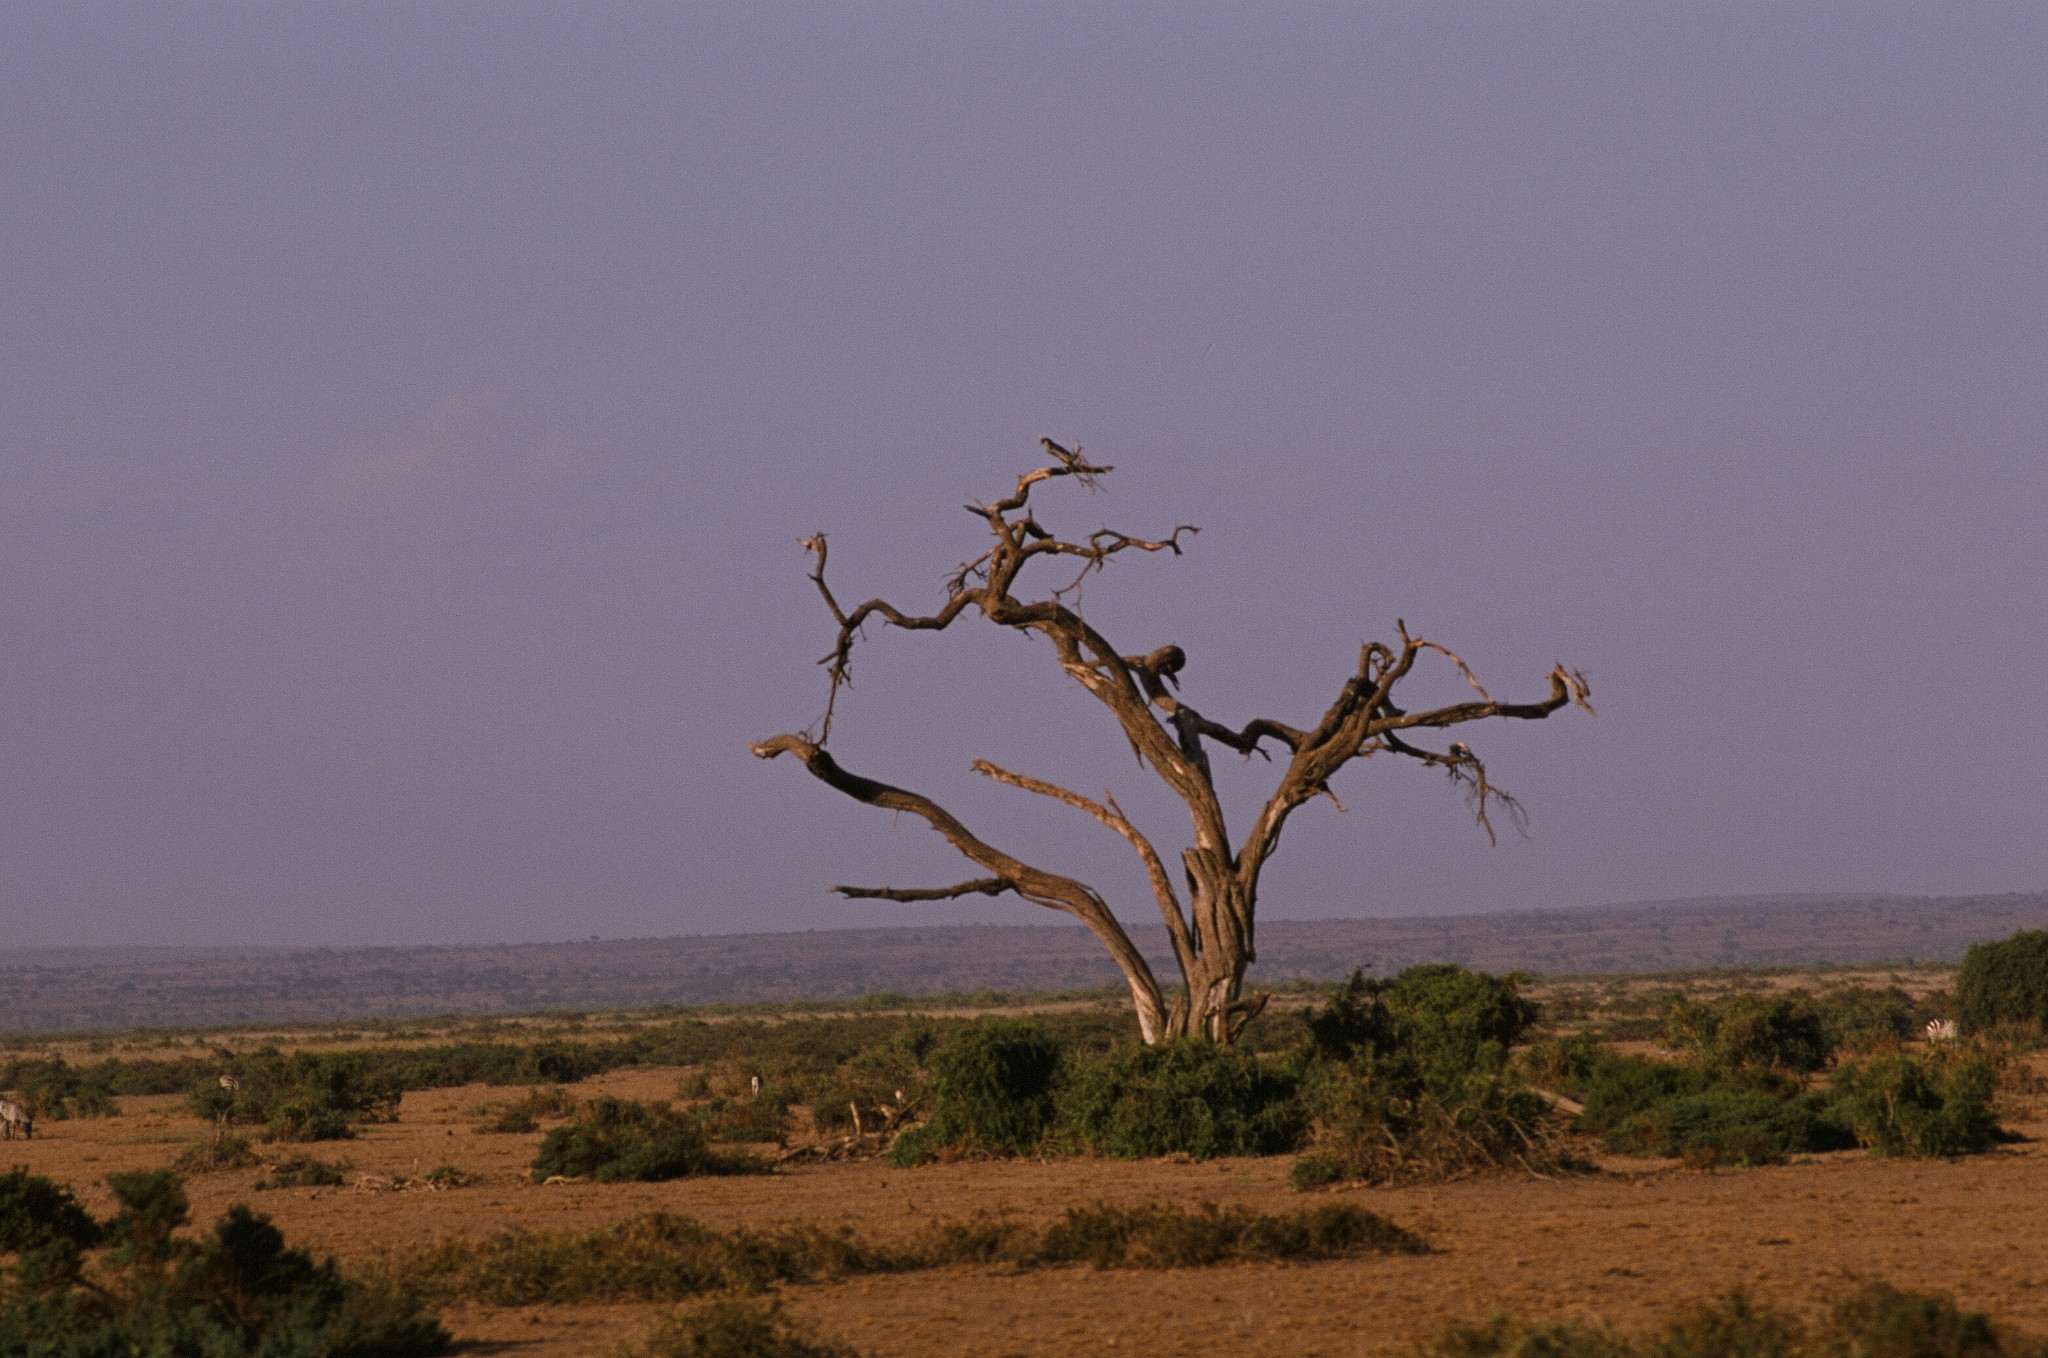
{"points": [[474, 1190]]}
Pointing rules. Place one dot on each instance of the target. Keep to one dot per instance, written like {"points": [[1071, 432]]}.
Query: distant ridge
{"points": [[67, 989]]}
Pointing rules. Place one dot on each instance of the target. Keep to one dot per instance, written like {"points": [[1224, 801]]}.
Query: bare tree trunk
{"points": [[1213, 938]]}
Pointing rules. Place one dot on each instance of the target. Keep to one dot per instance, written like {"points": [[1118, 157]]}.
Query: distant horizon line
{"points": [[1141, 927]]}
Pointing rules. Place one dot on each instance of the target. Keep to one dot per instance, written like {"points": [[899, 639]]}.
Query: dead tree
{"points": [[1213, 937]]}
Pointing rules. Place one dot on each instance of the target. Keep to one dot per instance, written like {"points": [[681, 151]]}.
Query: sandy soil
{"points": [[1625, 1244]]}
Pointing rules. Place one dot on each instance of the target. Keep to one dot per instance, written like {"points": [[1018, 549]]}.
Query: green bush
{"points": [[1919, 1106], [871, 1079], [1726, 1126], [992, 1081], [1188, 1096], [53, 1090], [34, 1211], [1780, 1032], [615, 1140], [304, 1096], [1410, 1079], [1621, 1087], [1706, 1114], [1565, 1064], [1384, 1121], [239, 1291], [1449, 1018], [1860, 1019], [2004, 983]]}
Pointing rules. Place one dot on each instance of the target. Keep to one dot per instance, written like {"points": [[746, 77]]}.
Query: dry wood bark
{"points": [[1213, 936]]}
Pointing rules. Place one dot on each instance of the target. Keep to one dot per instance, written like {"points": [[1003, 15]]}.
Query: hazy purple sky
{"points": [[410, 412]]}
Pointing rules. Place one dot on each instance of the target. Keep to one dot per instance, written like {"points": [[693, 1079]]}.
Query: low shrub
{"points": [[1170, 1236], [761, 1118], [2005, 982], [992, 1082], [303, 1172], [657, 1257], [553, 1101], [211, 1154], [512, 1120], [661, 1257], [1875, 1321], [613, 1140], [1918, 1106], [1726, 1126], [1188, 1096], [730, 1328]]}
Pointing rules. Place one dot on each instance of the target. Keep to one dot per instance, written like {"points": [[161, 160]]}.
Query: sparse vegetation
{"points": [[216, 1151], [613, 1140], [730, 1328], [664, 1257], [1170, 1236], [1875, 1321], [552, 1101], [304, 1171]]}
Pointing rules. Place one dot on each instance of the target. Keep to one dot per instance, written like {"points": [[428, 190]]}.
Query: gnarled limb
{"points": [[980, 886], [1044, 888]]}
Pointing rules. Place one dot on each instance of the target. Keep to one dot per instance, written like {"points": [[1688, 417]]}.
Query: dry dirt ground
{"points": [[1625, 1244]]}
